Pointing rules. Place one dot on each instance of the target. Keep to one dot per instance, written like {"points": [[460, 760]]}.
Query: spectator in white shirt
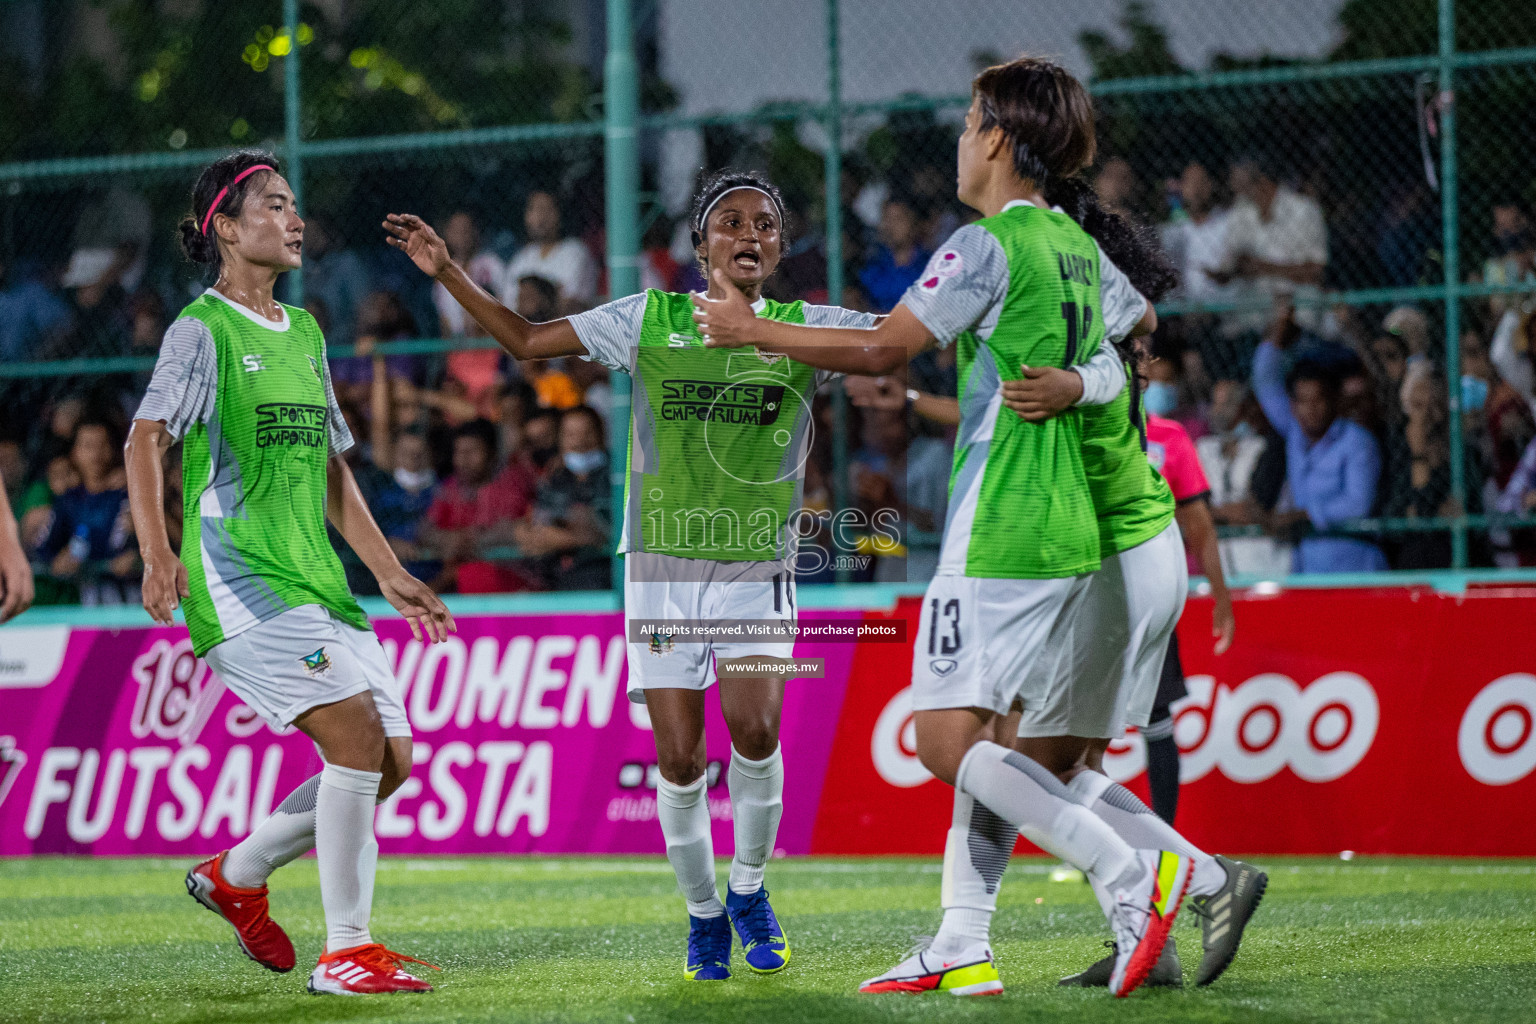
{"points": [[1277, 242], [565, 261], [1197, 239]]}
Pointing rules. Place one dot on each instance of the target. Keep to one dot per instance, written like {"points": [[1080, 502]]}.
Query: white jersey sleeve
{"points": [[835, 316], [1123, 306], [1103, 376], [185, 381], [338, 434], [611, 332], [963, 285]]}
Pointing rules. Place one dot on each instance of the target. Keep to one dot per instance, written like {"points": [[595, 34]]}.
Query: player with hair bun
{"points": [[242, 381], [717, 445]]}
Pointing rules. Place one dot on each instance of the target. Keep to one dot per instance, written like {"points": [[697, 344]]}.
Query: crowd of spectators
{"points": [[1308, 415], [489, 476]]}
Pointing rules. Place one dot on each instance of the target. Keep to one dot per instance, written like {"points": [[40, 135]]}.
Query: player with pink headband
{"points": [[242, 381], [717, 450]]}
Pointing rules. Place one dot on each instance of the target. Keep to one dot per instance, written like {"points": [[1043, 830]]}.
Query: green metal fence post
{"points": [[834, 229], [292, 147], [621, 158], [1451, 242]]}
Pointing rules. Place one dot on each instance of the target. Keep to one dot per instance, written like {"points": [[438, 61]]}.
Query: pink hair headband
{"points": [[208, 219]]}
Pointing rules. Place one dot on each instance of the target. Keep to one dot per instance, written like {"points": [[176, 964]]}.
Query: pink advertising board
{"points": [[117, 742]]}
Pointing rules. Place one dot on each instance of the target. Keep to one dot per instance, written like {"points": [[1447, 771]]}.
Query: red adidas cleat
{"points": [[365, 970], [260, 937]]}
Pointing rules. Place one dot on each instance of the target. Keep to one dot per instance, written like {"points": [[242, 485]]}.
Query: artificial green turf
{"points": [[583, 939]]}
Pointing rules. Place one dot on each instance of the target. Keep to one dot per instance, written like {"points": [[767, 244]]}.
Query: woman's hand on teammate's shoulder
{"points": [[165, 584], [1043, 392], [727, 322], [422, 608], [415, 237]]}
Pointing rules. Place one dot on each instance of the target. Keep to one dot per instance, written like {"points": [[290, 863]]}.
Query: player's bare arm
{"points": [[348, 512], [890, 393], [165, 577], [1043, 392], [1199, 530], [728, 322], [15, 571], [522, 340]]}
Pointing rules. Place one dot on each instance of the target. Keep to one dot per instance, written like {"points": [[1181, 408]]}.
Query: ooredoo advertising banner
{"points": [[1392, 720]]}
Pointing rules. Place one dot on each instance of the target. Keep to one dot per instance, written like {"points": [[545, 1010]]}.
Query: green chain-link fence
{"points": [[1356, 176]]}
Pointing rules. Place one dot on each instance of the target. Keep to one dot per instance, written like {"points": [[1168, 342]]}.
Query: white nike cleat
{"points": [[1142, 916], [971, 972]]}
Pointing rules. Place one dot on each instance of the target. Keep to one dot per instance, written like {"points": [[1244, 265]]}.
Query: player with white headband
{"points": [[717, 449]]}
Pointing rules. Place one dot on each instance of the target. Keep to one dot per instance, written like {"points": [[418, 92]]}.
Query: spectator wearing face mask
{"points": [[400, 505], [1164, 395], [1513, 260], [567, 534]]}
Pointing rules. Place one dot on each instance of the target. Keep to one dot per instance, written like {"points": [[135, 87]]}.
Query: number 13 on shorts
{"points": [[943, 626]]}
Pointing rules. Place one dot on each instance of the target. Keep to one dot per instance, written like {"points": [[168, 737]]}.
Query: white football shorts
{"points": [[1115, 649], [667, 587], [979, 637], [304, 658]]}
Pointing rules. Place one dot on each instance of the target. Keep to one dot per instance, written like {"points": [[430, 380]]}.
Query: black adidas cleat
{"points": [[1224, 915], [1166, 973]]}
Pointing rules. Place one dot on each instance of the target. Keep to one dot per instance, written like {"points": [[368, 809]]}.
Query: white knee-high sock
{"points": [[1137, 825], [976, 854], [347, 851], [288, 834], [757, 804], [1033, 801], [684, 815]]}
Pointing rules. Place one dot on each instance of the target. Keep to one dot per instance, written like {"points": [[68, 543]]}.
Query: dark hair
{"points": [[216, 177], [1315, 370], [592, 415], [721, 182], [1132, 247], [542, 412], [481, 430], [113, 431], [1263, 163], [544, 286], [1044, 112]]}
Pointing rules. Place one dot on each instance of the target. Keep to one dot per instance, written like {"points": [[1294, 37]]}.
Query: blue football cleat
{"points": [[762, 939], [709, 949]]}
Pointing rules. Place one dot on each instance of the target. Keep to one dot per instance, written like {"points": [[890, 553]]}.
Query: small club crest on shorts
{"points": [[661, 644], [316, 663]]}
